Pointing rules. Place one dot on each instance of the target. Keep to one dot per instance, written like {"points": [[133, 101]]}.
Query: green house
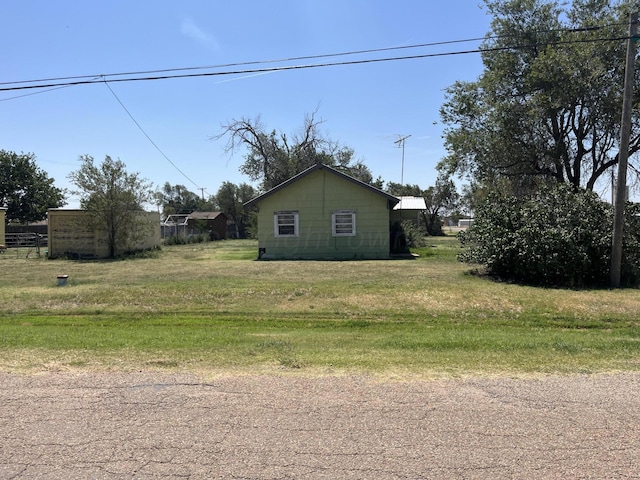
{"points": [[322, 213]]}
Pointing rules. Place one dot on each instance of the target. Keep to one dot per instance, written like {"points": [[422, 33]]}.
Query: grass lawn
{"points": [[211, 308]]}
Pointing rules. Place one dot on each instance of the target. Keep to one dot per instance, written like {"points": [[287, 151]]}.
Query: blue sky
{"points": [[363, 106]]}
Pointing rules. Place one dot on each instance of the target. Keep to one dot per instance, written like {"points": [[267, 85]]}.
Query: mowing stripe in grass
{"points": [[293, 342]]}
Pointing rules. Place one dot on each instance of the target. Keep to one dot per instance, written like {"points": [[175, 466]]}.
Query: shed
{"points": [[214, 222], [322, 213], [174, 225], [70, 234], [409, 208]]}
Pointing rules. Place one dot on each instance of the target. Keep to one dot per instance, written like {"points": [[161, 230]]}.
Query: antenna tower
{"points": [[400, 142]]}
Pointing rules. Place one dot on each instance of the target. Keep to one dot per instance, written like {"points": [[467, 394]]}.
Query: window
{"points": [[343, 223], [285, 224]]}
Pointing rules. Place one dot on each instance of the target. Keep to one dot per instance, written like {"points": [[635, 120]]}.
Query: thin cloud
{"points": [[189, 29]]}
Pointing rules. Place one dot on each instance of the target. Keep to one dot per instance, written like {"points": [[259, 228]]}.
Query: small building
{"points": [[322, 213], [70, 234], [214, 223], [174, 225], [409, 208], [465, 222]]}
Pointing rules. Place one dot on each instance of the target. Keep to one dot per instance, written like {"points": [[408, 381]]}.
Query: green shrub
{"points": [[175, 240], [406, 234], [556, 237], [414, 235]]}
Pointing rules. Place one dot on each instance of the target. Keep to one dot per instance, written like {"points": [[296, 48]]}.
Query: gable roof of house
{"points": [[320, 166], [411, 203]]}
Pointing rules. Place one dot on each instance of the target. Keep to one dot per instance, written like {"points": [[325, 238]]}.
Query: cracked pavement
{"points": [[179, 426]]}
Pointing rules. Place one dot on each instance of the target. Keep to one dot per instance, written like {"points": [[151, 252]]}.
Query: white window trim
{"points": [[334, 225], [276, 229]]}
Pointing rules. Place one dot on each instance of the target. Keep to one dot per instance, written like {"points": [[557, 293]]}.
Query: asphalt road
{"points": [[179, 426]]}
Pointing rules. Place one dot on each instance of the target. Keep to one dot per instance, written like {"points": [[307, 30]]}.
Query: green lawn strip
{"points": [[296, 341]]}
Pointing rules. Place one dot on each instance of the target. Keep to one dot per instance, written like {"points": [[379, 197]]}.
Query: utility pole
{"points": [[623, 155], [400, 143]]}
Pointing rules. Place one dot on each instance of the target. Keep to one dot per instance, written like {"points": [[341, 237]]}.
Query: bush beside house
{"points": [[556, 237]]}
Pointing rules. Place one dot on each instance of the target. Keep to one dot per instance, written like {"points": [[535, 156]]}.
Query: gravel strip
{"points": [[155, 425]]}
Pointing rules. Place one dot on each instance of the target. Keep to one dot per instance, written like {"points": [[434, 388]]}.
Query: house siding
{"points": [[315, 197]]}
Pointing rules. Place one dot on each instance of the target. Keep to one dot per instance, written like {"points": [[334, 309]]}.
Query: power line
{"points": [[147, 135], [33, 93], [253, 62], [308, 57], [87, 79], [90, 79]]}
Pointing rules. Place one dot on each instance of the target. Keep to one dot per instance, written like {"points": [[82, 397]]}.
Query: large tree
{"points": [[26, 191], [547, 106], [274, 157], [230, 199], [115, 198], [399, 189], [178, 199], [441, 200]]}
